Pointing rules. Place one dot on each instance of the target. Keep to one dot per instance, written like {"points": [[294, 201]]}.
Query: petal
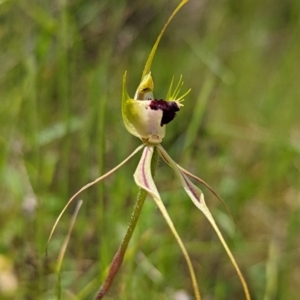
{"points": [[197, 197], [201, 181], [141, 120], [144, 180], [88, 185]]}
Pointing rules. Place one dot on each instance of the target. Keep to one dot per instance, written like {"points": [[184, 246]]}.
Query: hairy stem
{"points": [[119, 256]]}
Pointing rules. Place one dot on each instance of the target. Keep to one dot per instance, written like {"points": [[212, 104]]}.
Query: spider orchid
{"points": [[146, 118]]}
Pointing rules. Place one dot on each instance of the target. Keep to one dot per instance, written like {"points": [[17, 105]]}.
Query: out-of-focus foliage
{"points": [[61, 66]]}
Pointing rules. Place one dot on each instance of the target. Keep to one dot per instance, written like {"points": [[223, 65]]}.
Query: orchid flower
{"points": [[146, 118]]}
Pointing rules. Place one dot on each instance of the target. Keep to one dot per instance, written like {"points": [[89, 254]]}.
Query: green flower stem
{"points": [[119, 256]]}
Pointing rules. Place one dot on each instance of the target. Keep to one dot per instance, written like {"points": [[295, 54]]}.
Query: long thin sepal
{"points": [[147, 68], [197, 197], [143, 179], [87, 186], [208, 187], [201, 181], [119, 256]]}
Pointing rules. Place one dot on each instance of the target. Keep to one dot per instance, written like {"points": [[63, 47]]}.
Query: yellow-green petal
{"points": [[140, 120]]}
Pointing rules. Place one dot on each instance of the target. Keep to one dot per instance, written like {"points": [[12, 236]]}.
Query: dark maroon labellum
{"points": [[168, 108]]}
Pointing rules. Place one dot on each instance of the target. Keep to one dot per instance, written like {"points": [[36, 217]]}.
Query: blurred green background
{"points": [[61, 67]]}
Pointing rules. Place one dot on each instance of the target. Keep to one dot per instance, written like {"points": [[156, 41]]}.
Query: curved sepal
{"points": [[197, 198], [87, 186], [147, 68], [143, 178]]}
